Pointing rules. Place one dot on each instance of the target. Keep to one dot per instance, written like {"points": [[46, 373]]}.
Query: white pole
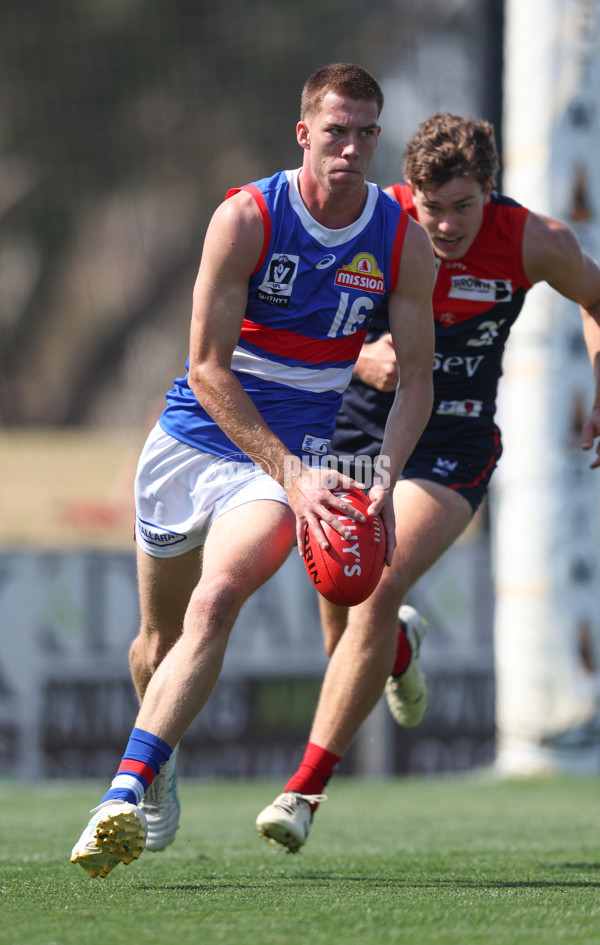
{"points": [[546, 500]]}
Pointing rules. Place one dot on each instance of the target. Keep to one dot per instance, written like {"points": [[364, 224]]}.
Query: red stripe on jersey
{"points": [[290, 344], [397, 250], [137, 767], [403, 194], [264, 212]]}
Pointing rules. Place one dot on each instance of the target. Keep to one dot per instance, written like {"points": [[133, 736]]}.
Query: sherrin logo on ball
{"points": [[348, 571]]}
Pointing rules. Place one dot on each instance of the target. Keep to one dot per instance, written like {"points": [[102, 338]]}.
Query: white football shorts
{"points": [[180, 491]]}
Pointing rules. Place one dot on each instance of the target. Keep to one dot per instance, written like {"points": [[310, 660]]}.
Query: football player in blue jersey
{"points": [[293, 268], [489, 251]]}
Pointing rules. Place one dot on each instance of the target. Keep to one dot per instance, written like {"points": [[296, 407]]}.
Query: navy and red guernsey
{"points": [[310, 302], [476, 301]]}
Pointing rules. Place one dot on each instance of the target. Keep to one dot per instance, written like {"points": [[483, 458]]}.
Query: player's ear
{"points": [[487, 191], [302, 134]]}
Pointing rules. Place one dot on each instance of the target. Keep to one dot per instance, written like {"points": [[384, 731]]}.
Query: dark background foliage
{"points": [[123, 123]]}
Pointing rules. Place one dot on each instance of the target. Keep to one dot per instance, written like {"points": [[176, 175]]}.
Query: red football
{"points": [[348, 571]]}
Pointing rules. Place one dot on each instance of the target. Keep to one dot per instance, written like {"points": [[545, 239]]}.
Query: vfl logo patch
{"points": [[480, 290], [362, 273], [460, 408], [157, 536], [279, 280]]}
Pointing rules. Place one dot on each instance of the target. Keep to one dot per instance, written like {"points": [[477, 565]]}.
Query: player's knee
{"points": [[216, 603], [150, 648], [391, 591]]}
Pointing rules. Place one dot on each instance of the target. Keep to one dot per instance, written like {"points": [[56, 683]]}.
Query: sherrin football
{"points": [[348, 571]]}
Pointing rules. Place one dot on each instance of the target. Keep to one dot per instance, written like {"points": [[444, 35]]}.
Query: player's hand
{"points": [[382, 504], [309, 493], [591, 433], [377, 365]]}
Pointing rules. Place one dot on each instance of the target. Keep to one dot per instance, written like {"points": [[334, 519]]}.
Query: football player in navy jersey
{"points": [[293, 268], [489, 251]]}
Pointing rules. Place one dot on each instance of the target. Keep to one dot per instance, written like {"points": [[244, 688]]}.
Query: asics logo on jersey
{"points": [[326, 262]]}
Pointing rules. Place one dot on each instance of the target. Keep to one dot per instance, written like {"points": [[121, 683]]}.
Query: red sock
{"points": [[314, 772], [403, 653]]}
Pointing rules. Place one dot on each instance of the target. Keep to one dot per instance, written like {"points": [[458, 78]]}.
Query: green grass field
{"points": [[419, 861]]}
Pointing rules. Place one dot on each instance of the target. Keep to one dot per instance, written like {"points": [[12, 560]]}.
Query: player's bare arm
{"points": [[552, 253], [231, 251], [591, 427], [412, 329], [377, 365]]}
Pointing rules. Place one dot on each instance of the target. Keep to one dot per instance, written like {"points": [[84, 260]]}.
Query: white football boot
{"points": [[407, 694], [115, 834], [161, 806], [287, 820]]}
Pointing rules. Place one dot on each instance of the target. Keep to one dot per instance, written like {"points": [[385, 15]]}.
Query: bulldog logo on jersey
{"points": [[362, 273], [279, 280]]}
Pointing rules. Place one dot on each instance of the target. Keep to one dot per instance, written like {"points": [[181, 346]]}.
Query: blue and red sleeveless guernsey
{"points": [[310, 301], [476, 300]]}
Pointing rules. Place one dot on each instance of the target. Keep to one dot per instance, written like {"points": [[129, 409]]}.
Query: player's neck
{"points": [[334, 209]]}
